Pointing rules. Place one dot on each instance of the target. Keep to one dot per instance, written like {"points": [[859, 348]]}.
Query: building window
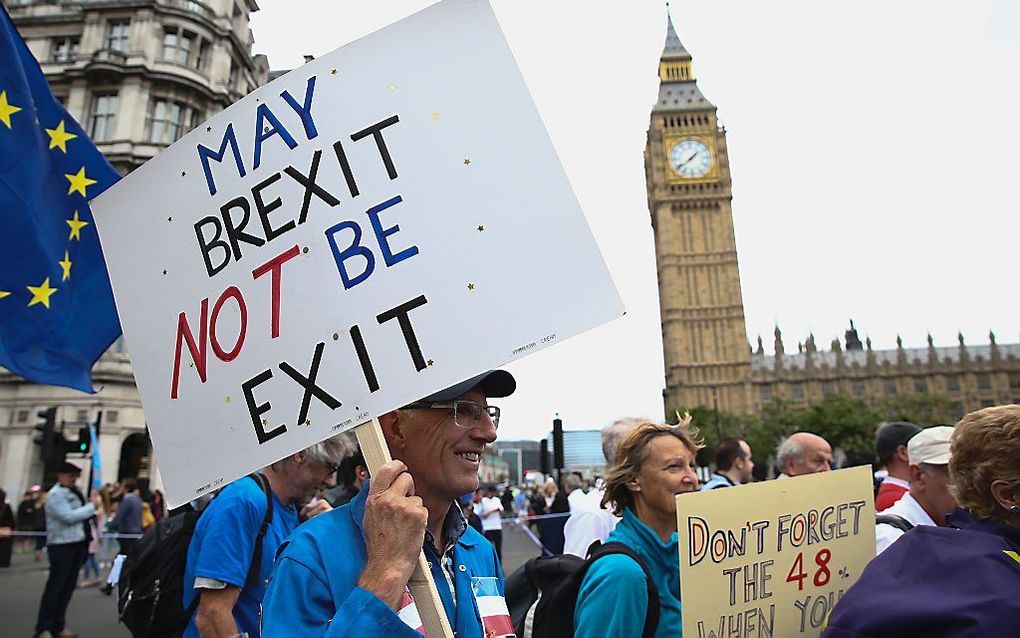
{"points": [[858, 388], [920, 385], [958, 409], [987, 403], [952, 383], [797, 390], [765, 392], [889, 386], [232, 76], [169, 121], [828, 389], [64, 49], [117, 33], [203, 55], [111, 416], [83, 416], [104, 111], [185, 47], [984, 382], [22, 416], [1014, 380]]}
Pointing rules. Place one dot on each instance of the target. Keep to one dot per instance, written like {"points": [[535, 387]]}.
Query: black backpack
{"points": [[542, 593], [151, 585]]}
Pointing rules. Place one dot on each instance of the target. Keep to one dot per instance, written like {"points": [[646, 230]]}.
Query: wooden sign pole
{"points": [[423, 589]]}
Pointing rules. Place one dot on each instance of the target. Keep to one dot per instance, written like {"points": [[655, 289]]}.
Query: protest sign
{"points": [[771, 559], [379, 223]]}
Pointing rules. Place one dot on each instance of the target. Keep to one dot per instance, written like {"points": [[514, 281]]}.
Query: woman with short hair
{"points": [[959, 581], [653, 464]]}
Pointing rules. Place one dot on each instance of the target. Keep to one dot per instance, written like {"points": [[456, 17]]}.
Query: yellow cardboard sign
{"points": [[772, 559]]}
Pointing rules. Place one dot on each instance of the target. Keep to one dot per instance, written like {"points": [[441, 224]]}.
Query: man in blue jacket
{"points": [[346, 572]]}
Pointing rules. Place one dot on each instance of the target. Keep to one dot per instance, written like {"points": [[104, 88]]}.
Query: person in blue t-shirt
{"points": [[223, 546], [346, 573]]}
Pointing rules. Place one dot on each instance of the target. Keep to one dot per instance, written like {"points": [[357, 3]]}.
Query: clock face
{"points": [[690, 158]]}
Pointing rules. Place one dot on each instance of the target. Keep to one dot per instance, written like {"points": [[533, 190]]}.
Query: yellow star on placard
{"points": [[59, 137], [41, 294], [76, 226], [66, 265], [79, 182], [7, 110]]}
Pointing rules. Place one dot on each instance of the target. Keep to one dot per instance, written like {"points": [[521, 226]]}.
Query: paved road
{"points": [[93, 615], [90, 615]]}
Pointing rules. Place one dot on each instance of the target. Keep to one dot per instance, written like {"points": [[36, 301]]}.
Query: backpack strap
{"points": [[598, 550], [898, 522], [256, 560]]}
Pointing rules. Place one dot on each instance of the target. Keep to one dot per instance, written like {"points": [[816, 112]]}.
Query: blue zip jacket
{"points": [[313, 590], [613, 599], [937, 582]]}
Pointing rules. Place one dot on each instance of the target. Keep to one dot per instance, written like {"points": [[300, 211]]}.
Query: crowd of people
{"points": [[312, 545]]}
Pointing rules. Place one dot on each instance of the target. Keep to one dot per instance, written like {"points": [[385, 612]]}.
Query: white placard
{"points": [[378, 224]]}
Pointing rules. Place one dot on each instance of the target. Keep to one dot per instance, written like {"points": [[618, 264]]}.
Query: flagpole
{"points": [[92, 449]]}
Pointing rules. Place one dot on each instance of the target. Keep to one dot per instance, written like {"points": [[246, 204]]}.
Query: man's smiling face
{"points": [[444, 457]]}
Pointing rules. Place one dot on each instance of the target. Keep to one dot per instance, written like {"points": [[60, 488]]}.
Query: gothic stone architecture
{"points": [[138, 75], [972, 377], [688, 178], [708, 361]]}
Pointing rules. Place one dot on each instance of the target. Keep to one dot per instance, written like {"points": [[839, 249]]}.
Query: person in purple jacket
{"points": [[960, 581]]}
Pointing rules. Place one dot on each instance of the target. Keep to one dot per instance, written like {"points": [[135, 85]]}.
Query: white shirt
{"points": [[587, 523], [576, 499], [906, 508], [492, 522]]}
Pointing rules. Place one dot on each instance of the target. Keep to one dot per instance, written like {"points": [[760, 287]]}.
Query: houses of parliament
{"points": [[708, 361]]}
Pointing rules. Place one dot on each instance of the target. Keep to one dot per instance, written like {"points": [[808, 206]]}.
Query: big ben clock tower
{"points": [[708, 361]]}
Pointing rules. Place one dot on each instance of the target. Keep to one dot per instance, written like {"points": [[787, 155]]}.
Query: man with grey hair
{"points": [[803, 453], [929, 498], [226, 573], [589, 521]]}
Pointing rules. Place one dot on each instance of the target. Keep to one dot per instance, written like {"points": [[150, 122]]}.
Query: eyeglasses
{"points": [[333, 469], [466, 414]]}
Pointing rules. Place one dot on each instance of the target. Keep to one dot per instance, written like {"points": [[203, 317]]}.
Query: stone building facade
{"points": [[689, 191], [707, 358], [138, 75], [972, 377]]}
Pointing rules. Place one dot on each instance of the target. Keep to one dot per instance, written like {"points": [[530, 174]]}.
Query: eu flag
{"points": [[57, 314]]}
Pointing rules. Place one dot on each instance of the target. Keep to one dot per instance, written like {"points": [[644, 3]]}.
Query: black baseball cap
{"points": [[495, 384], [889, 436], [68, 468]]}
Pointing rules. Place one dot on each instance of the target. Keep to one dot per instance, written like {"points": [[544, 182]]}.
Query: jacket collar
{"points": [[647, 543], [962, 519]]}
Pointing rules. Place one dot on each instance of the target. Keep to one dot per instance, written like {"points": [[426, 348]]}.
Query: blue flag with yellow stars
{"points": [[57, 314]]}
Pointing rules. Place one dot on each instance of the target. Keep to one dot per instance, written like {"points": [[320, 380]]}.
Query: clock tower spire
{"points": [[689, 191]]}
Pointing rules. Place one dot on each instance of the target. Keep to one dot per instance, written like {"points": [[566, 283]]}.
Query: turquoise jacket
{"points": [[613, 599], [313, 590]]}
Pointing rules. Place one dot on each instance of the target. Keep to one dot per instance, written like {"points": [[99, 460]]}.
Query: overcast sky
{"points": [[874, 148]]}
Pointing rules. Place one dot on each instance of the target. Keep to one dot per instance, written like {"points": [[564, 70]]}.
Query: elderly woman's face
{"points": [[668, 471]]}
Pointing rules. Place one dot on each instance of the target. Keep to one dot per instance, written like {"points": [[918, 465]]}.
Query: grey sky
{"points": [[872, 146]]}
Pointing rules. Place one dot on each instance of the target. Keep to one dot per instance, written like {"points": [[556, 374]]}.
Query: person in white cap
{"points": [[929, 498]]}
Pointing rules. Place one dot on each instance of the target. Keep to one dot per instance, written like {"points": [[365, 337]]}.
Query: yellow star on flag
{"points": [[4, 293], [59, 137], [79, 182], [76, 226], [7, 110], [41, 294], [66, 265]]}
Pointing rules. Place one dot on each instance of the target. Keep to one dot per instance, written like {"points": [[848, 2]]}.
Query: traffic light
{"points": [[45, 437], [558, 443], [84, 442]]}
